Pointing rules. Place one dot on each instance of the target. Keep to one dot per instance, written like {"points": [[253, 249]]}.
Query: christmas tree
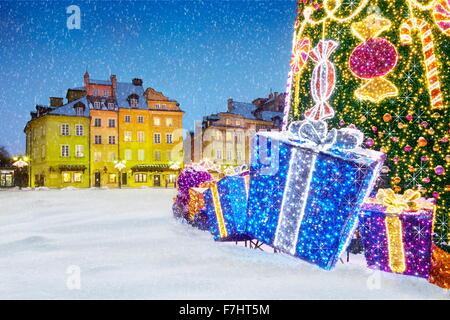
{"points": [[391, 81]]}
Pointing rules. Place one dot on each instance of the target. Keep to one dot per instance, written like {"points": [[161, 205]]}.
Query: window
{"points": [[163, 106], [239, 155], [238, 122], [97, 156], [141, 136], [97, 122], [77, 177], [112, 156], [219, 154], [157, 155], [79, 111], [140, 177], [157, 121], [218, 135], [110, 106], [169, 122], [157, 106], [229, 155], [169, 138], [96, 92], [127, 153], [43, 152], [127, 135], [112, 139], [66, 177], [229, 136], [228, 121], [239, 137], [98, 139], [112, 178], [169, 155], [79, 151], [157, 138], [133, 102], [127, 119], [96, 105], [112, 123], [79, 130], [105, 93], [140, 119], [64, 129], [64, 151], [141, 155]]}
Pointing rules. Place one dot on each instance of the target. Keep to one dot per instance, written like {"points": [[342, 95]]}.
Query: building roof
{"points": [[124, 90], [102, 82], [69, 110], [246, 109]]}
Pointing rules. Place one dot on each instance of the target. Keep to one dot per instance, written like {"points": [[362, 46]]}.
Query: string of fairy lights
{"points": [[411, 122]]}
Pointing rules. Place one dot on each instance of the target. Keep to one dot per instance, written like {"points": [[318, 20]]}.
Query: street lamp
{"points": [[120, 165], [20, 163]]}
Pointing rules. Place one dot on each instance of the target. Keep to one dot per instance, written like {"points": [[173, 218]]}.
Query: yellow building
{"points": [[122, 122], [58, 145]]}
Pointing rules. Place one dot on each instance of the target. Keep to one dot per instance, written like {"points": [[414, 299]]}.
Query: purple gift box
{"points": [[397, 233]]}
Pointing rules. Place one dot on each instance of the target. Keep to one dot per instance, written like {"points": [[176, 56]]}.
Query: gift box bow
{"points": [[398, 203], [315, 133]]}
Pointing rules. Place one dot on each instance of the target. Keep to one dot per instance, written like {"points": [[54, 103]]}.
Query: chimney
{"points": [[271, 95], [230, 105], [275, 94], [113, 84], [56, 102], [86, 80], [137, 82]]}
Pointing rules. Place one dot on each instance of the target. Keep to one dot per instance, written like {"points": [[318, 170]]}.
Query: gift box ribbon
{"points": [[395, 205], [315, 135]]}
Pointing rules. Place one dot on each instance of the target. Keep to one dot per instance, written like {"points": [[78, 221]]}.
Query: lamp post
{"points": [[120, 165], [20, 163]]}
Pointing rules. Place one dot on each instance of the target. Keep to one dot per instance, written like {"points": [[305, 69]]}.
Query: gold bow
{"points": [[396, 203]]}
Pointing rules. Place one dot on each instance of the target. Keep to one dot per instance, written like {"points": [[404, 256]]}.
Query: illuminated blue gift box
{"points": [[226, 208], [306, 189]]}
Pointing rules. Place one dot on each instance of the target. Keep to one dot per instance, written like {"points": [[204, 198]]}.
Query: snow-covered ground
{"points": [[125, 244]]}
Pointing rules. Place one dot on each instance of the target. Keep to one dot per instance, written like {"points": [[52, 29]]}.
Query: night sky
{"points": [[199, 53]]}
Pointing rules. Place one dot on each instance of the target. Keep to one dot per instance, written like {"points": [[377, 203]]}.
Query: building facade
{"points": [[103, 123], [226, 136]]}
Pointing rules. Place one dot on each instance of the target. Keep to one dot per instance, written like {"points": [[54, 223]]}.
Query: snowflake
{"points": [[407, 97], [351, 4], [420, 115], [409, 77], [419, 232]]}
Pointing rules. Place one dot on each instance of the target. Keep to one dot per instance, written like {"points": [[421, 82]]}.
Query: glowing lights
{"points": [[432, 72], [396, 231], [441, 15], [373, 59], [323, 80], [440, 269], [307, 206], [226, 208]]}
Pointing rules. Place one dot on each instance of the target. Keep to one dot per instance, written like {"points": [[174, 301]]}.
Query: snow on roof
{"points": [[246, 109], [102, 82], [270, 115], [124, 90], [69, 110]]}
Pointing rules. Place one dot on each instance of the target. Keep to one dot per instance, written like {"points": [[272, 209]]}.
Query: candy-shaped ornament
{"points": [[373, 59], [323, 81], [300, 55], [441, 15]]}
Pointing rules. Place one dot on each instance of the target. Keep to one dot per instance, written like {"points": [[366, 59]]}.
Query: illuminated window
{"points": [[228, 121], [141, 136], [157, 138], [112, 178], [229, 136], [127, 136], [64, 129], [238, 122], [141, 155], [128, 154], [169, 155], [77, 177], [157, 121], [169, 122], [140, 177], [66, 177], [64, 151], [79, 151], [97, 156]]}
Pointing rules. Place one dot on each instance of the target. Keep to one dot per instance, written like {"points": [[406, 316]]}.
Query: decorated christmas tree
{"points": [[391, 80]]}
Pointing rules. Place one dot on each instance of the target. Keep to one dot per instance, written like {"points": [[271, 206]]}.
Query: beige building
{"points": [[225, 137]]}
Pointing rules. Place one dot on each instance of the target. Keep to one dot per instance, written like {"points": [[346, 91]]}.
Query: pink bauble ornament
{"points": [[370, 142], [439, 170]]}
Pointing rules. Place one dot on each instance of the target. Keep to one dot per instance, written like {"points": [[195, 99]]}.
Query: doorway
{"points": [[97, 178], [156, 180]]}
